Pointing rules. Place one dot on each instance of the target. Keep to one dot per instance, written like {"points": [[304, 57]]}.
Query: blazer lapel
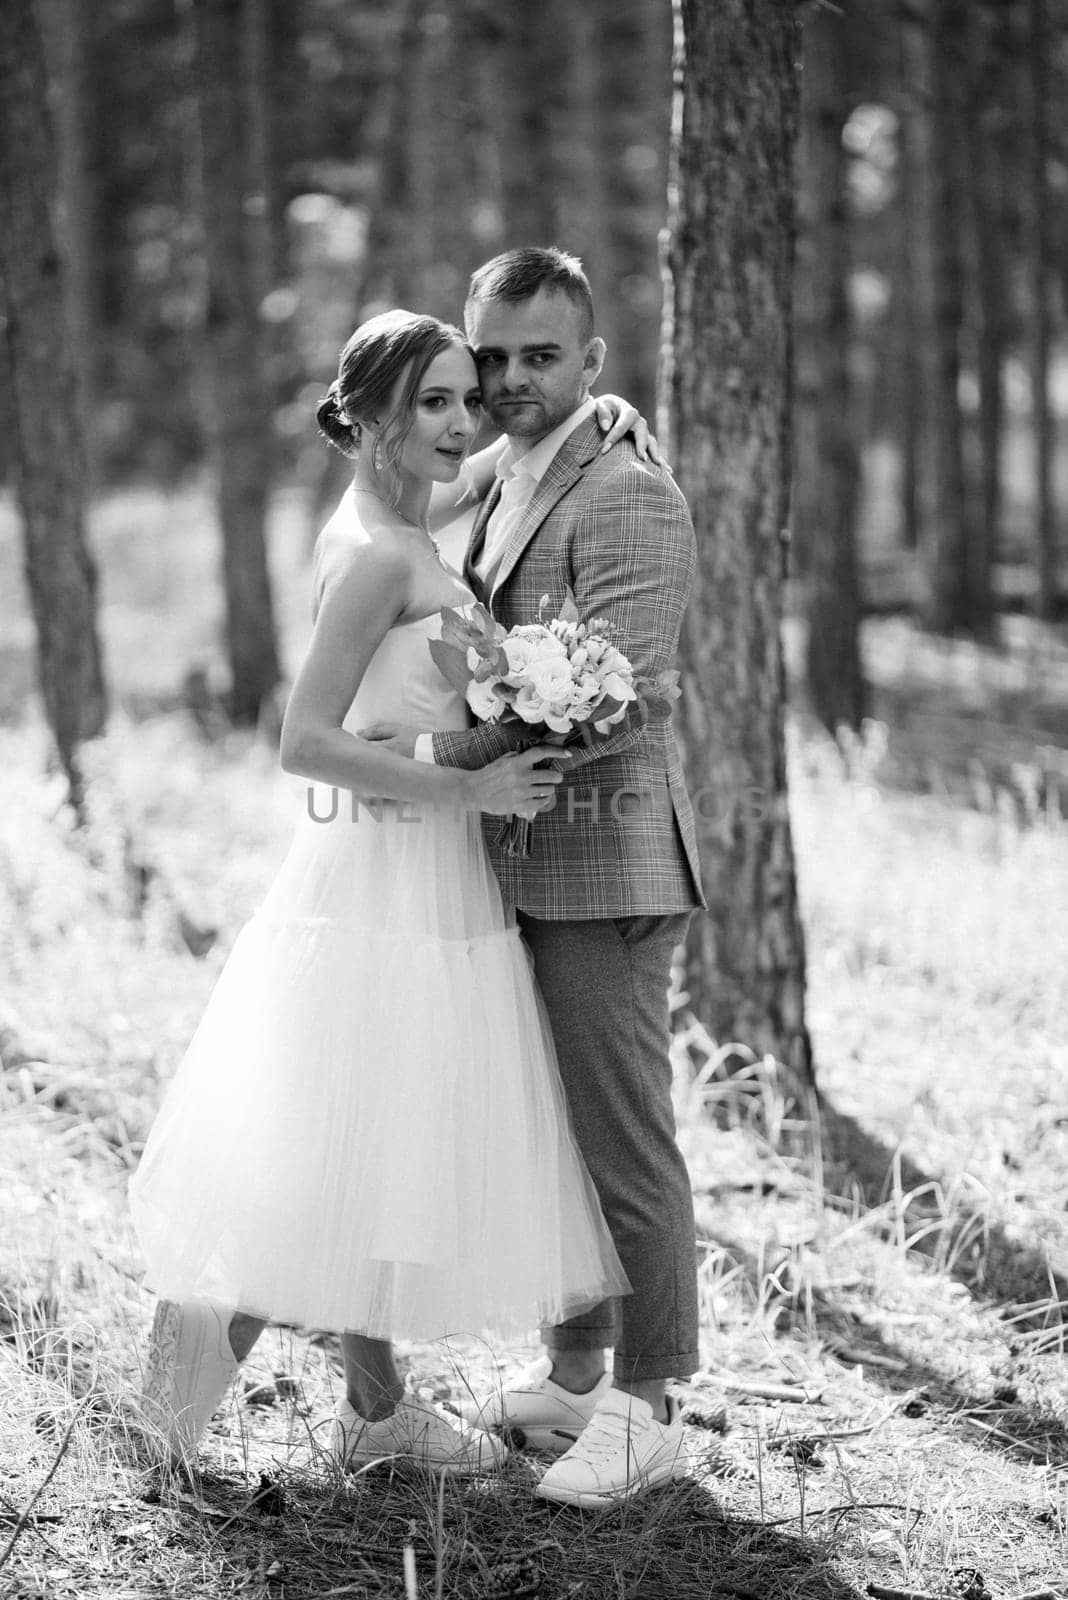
{"points": [[477, 541], [565, 469]]}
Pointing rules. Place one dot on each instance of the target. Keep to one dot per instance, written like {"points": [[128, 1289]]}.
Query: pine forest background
{"points": [[828, 242]]}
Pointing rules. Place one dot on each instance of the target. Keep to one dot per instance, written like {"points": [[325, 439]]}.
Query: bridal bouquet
{"points": [[564, 679]]}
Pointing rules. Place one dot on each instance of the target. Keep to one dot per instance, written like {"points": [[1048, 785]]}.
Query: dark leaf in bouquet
{"points": [[458, 631], [451, 662], [491, 666], [488, 628], [659, 693], [478, 631], [608, 707]]}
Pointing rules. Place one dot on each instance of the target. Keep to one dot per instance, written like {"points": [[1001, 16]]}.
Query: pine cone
{"points": [[507, 1580]]}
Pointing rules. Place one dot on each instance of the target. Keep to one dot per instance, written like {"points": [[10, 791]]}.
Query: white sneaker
{"points": [[622, 1452], [419, 1431], [535, 1413], [189, 1369]]}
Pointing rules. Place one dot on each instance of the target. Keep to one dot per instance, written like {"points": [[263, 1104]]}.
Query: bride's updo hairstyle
{"points": [[394, 345]]}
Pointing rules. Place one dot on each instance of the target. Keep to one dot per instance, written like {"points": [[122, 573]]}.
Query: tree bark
{"points": [[49, 453], [985, 257], [827, 469], [909, 295], [1040, 274], [241, 423], [69, 47], [727, 382], [947, 535], [934, 65]]}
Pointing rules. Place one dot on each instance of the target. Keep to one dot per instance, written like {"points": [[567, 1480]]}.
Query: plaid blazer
{"points": [[620, 839]]}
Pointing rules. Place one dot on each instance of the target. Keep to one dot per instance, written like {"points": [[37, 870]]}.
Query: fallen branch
{"points": [[844, 1510], [877, 1592], [999, 1433], [857, 1356], [792, 1393]]}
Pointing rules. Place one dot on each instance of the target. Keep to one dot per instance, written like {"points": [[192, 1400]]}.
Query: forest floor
{"points": [[883, 1394]]}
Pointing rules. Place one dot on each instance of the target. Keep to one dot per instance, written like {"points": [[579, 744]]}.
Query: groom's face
{"points": [[535, 358]]}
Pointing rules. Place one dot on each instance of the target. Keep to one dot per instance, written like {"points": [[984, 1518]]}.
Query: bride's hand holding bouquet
{"points": [[560, 679]]}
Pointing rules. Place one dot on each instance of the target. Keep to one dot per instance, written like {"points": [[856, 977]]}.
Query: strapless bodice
{"points": [[402, 683]]}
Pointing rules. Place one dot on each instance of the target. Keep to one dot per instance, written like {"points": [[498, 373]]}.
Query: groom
{"points": [[606, 893]]}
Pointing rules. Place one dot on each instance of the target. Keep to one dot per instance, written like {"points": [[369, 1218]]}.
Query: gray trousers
{"points": [[605, 985]]}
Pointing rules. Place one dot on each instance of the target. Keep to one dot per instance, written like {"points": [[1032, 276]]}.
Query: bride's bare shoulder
{"points": [[335, 549], [347, 565]]}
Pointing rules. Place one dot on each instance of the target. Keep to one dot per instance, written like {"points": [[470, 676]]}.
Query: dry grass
{"points": [[896, 1263]]}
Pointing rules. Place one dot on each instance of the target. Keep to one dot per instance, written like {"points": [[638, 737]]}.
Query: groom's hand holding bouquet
{"points": [[560, 679]]}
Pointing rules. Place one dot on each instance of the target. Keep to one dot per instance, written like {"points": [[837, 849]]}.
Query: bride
{"points": [[368, 1132]]}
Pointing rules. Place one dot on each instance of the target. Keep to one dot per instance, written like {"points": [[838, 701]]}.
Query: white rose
{"points": [[519, 652], [484, 700], [548, 647], [529, 705], [617, 688], [587, 688], [550, 677]]}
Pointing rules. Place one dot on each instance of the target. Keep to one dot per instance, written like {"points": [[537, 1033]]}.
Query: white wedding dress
{"points": [[368, 1131]]}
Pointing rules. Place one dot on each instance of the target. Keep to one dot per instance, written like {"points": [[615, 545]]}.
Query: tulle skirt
{"points": [[368, 1131]]}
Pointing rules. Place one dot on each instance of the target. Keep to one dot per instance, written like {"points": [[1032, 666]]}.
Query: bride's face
{"points": [[445, 419]]}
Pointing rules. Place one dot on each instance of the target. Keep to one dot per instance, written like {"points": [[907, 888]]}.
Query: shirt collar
{"points": [[534, 463]]}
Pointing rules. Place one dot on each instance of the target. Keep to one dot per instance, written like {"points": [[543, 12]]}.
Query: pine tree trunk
{"points": [[268, 32], [947, 536], [985, 254], [49, 454], [931, 43], [727, 382], [241, 421], [909, 301], [826, 473], [69, 48], [1040, 274]]}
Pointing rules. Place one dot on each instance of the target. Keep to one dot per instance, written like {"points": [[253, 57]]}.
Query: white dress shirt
{"points": [[520, 472]]}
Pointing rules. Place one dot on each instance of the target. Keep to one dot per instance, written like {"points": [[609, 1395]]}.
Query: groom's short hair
{"points": [[518, 275]]}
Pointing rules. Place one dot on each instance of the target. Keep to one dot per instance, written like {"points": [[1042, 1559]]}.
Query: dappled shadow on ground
{"points": [[981, 1383], [996, 1266], [494, 1539]]}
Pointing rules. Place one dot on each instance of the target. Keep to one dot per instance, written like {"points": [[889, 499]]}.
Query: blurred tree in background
{"points": [[49, 455]]}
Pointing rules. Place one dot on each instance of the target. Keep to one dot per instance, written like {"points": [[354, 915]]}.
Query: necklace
{"points": [[402, 518]]}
